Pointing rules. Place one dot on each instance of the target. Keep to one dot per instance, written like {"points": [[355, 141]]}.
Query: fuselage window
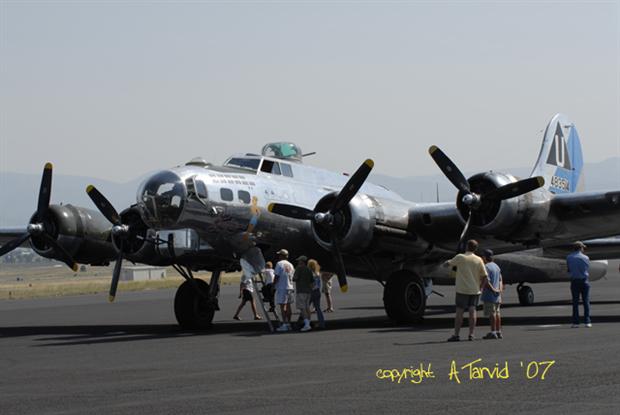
{"points": [[270, 167], [286, 170], [226, 194], [201, 189], [244, 196]]}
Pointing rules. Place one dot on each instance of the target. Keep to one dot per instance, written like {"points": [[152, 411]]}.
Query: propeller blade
{"points": [[354, 184], [45, 191], [104, 206], [64, 255], [117, 273], [516, 188], [341, 271], [463, 239], [14, 243], [449, 169], [290, 211]]}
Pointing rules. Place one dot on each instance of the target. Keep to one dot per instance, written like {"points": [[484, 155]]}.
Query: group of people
{"points": [[480, 278], [286, 285]]}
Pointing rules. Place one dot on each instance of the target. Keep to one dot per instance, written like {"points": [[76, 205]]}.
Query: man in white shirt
{"points": [[284, 288]]}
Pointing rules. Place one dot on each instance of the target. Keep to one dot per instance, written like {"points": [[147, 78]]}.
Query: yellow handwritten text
{"points": [[476, 371], [414, 375]]}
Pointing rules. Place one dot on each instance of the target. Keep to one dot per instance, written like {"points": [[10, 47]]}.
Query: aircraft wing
{"points": [[605, 248], [586, 215], [552, 222]]}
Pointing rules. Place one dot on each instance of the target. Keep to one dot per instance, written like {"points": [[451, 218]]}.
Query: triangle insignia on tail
{"points": [[558, 154]]}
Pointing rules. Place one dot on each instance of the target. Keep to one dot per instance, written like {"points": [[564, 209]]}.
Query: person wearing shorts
{"points": [[246, 288], [491, 295], [283, 283], [469, 272], [268, 290]]}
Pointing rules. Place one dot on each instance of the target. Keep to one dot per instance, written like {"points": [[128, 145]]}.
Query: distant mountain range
{"points": [[18, 192]]}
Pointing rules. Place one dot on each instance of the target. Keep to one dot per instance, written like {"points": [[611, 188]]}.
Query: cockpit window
{"points": [[269, 166], [286, 169], [244, 163]]}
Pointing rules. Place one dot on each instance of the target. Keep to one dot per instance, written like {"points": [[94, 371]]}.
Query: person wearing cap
{"points": [[491, 295], [303, 288], [283, 283], [469, 273], [578, 265]]}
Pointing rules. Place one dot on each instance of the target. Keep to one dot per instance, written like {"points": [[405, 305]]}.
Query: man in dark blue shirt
{"points": [[491, 295], [578, 268]]}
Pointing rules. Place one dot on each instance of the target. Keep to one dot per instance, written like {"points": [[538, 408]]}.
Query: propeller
{"points": [[330, 220], [40, 227], [118, 229], [475, 201]]}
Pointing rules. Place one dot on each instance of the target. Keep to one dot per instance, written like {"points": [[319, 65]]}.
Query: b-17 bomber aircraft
{"points": [[201, 216]]}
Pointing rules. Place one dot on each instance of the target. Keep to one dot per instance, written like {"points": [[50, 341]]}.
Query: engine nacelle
{"points": [[355, 224], [138, 246], [84, 233], [494, 216]]}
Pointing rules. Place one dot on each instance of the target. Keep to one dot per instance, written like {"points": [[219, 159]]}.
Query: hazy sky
{"points": [[116, 89]]}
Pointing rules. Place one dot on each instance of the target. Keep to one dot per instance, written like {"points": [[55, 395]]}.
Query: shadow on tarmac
{"points": [[102, 334]]}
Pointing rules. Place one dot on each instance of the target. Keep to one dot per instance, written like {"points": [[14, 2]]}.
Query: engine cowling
{"points": [[355, 224], [138, 246], [493, 216], [84, 233]]}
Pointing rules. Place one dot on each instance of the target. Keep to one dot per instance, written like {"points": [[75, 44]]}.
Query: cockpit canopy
{"points": [[286, 151]]}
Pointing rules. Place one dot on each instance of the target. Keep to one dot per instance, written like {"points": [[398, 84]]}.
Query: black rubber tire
{"points": [[526, 295], [404, 298], [190, 309]]}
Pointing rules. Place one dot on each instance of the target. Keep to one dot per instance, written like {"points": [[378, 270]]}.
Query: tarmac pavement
{"points": [[82, 355]]}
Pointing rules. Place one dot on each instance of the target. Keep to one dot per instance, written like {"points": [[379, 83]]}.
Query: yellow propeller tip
{"points": [[111, 298], [75, 267], [344, 288], [270, 207], [48, 166], [541, 181], [369, 163], [89, 188], [432, 149]]}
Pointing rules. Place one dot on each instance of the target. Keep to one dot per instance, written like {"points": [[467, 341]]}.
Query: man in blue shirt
{"points": [[491, 295], [578, 265]]}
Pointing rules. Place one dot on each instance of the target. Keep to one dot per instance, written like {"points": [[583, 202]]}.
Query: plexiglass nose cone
{"points": [[161, 198]]}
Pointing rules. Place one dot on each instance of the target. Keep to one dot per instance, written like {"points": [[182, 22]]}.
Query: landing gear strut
{"points": [[404, 297], [526, 294], [195, 302]]}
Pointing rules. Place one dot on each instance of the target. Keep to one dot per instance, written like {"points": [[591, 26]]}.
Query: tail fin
{"points": [[560, 160]]}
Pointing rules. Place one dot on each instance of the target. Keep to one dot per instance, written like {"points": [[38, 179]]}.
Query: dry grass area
{"points": [[27, 281]]}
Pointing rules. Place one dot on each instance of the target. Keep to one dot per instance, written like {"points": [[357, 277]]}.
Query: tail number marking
{"points": [[559, 183]]}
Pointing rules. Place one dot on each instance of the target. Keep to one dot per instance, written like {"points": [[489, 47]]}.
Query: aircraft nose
{"points": [[161, 199]]}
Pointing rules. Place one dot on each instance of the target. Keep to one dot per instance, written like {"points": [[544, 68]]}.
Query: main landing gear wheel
{"points": [[526, 295], [404, 297], [191, 309]]}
